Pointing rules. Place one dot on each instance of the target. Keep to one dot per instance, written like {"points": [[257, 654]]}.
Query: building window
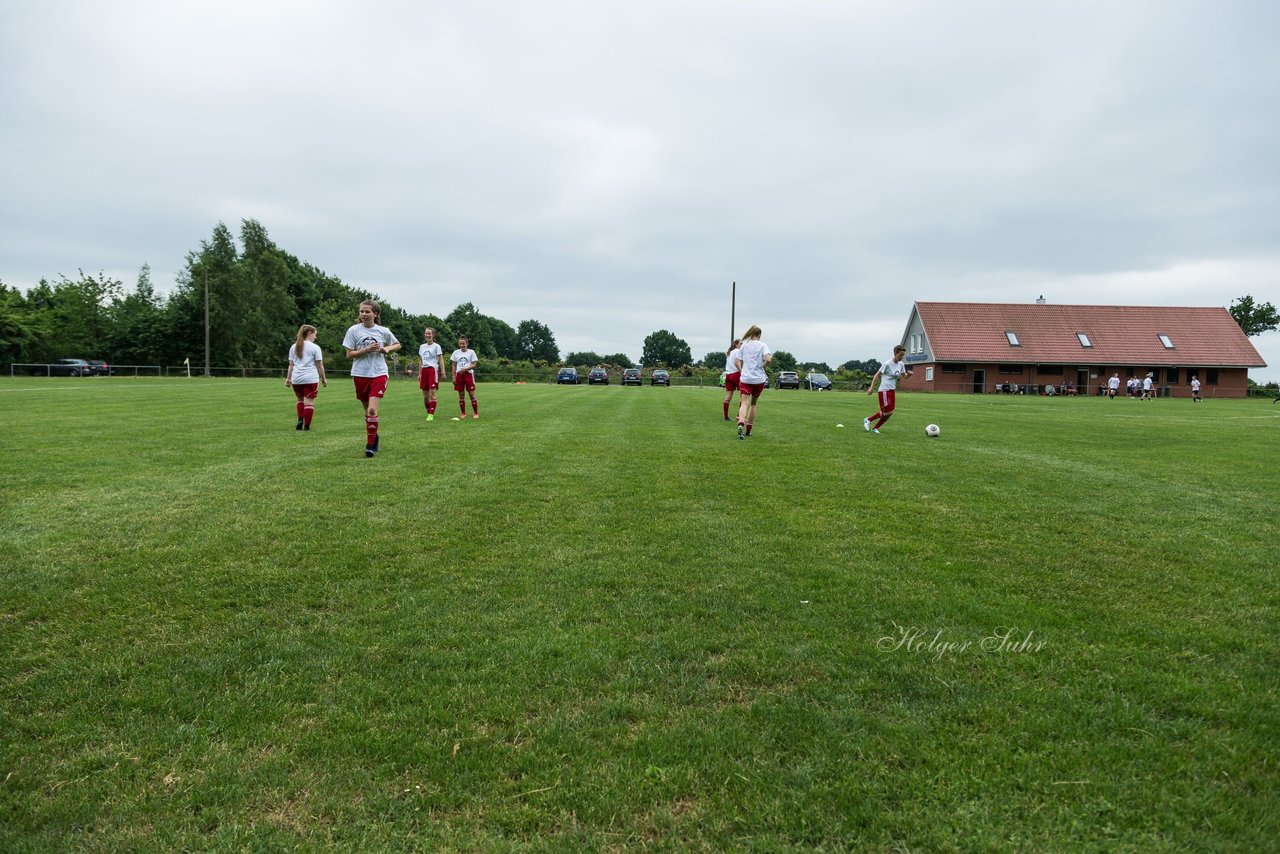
{"points": [[1211, 376], [1171, 376], [1049, 370], [1013, 338], [1084, 339], [928, 374], [948, 368], [1011, 369], [1166, 341]]}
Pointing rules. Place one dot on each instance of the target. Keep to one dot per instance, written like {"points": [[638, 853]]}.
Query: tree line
{"points": [[258, 296]]}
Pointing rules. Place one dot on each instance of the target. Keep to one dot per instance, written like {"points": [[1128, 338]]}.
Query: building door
{"points": [[979, 381], [1082, 382]]}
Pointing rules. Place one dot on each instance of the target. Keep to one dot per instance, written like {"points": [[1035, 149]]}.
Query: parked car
{"points": [[598, 376], [788, 379], [66, 368], [817, 382], [661, 377], [567, 376], [631, 376], [100, 368]]}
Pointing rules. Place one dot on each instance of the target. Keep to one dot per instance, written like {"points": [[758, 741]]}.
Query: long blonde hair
{"points": [[737, 342], [303, 331], [753, 332]]}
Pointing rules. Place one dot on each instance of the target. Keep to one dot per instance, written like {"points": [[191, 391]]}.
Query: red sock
{"points": [[748, 429], [370, 429], [462, 406], [475, 407], [726, 409], [431, 406], [299, 408], [307, 413]]}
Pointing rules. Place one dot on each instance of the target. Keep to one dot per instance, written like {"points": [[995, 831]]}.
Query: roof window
{"points": [[1084, 339], [1013, 338], [1166, 341]]}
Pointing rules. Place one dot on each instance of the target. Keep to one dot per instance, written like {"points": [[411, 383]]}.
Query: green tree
{"points": [[867, 366], [505, 340], [537, 342], [1254, 319], [75, 316], [663, 348], [715, 360], [138, 325], [584, 357], [21, 329], [619, 359], [783, 361]]}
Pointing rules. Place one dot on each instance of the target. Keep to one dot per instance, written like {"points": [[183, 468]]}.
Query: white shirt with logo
{"points": [[430, 355], [889, 373], [462, 360], [731, 363], [372, 364]]}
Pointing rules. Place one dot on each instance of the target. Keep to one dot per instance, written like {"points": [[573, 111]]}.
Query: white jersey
{"points": [[370, 364], [731, 363], [1147, 384], [463, 360], [889, 373], [430, 355], [1195, 386], [1113, 383], [304, 366], [752, 354]]}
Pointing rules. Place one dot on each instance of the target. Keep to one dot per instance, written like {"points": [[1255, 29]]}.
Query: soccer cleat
{"points": [[377, 438], [875, 430], [477, 415], [742, 432], [430, 417], [866, 424], [307, 427], [369, 451], [299, 427]]}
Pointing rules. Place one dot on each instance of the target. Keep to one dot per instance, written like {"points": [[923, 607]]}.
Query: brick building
{"points": [[981, 347]]}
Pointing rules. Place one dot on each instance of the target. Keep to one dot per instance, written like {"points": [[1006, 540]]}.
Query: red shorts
{"points": [[887, 401], [367, 387], [466, 381], [308, 390], [731, 381], [753, 389], [427, 379]]}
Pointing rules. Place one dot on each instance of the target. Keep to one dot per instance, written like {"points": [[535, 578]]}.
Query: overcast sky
{"points": [[610, 168]]}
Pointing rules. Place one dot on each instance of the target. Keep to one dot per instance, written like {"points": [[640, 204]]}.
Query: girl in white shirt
{"points": [[752, 358], [305, 374], [464, 361]]}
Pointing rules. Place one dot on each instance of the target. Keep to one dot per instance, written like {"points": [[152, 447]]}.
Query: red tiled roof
{"points": [[1121, 335]]}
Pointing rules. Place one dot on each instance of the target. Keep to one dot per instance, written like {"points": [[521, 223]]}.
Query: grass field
{"points": [[594, 619]]}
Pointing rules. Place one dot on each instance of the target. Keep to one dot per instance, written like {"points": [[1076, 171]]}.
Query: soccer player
{"points": [[305, 374], [731, 374], [1195, 389], [367, 344], [888, 376], [1148, 386], [1113, 386], [464, 361], [752, 357], [431, 371]]}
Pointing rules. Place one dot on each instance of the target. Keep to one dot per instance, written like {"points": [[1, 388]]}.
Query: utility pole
{"points": [[206, 321], [733, 307]]}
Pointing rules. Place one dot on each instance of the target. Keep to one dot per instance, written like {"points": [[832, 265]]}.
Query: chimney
{"points": [[1041, 300]]}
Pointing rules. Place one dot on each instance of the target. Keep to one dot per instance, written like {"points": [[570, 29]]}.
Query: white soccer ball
{"points": [[932, 431]]}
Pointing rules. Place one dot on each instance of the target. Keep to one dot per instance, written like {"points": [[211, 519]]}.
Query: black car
{"points": [[631, 376], [66, 368], [660, 377], [817, 382], [100, 368], [598, 376], [788, 379], [567, 376]]}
